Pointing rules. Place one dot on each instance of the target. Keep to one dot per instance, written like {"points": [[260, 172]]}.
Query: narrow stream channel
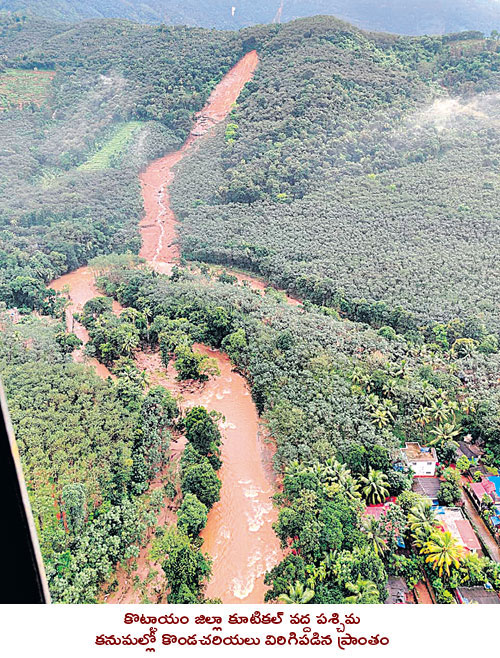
{"points": [[239, 534]]}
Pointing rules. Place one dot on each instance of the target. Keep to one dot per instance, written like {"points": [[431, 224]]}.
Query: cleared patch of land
{"points": [[19, 88], [113, 148]]}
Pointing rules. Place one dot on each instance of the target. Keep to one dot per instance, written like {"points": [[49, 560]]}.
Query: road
{"points": [[481, 528]]}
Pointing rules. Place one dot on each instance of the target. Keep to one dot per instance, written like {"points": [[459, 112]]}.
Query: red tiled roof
{"points": [[483, 487], [468, 535]]}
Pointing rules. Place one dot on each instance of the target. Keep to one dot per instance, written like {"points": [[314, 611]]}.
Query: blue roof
{"points": [[496, 481]]}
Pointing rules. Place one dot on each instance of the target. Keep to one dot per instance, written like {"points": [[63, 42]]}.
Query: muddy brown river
{"points": [[238, 535]]}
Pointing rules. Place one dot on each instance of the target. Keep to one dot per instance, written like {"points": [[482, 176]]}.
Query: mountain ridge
{"points": [[396, 16]]}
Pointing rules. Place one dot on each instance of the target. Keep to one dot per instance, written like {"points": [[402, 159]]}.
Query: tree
{"points": [[363, 591], [190, 365], [68, 342], [446, 434], [463, 464], [186, 568], [235, 345], [443, 552], [421, 521], [192, 515], [375, 486], [94, 308], [449, 494], [356, 459], [291, 569], [74, 498], [152, 438], [202, 431], [375, 534], [202, 481], [297, 594]]}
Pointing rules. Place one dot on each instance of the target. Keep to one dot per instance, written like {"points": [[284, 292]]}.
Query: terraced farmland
{"points": [[113, 149], [19, 88]]}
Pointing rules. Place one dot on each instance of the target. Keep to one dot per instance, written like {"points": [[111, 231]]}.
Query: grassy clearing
{"points": [[19, 87], [113, 148]]}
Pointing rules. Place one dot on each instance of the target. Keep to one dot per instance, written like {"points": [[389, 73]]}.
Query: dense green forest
{"points": [[359, 171], [57, 209], [400, 16], [82, 442], [381, 186], [339, 398], [90, 449], [333, 191]]}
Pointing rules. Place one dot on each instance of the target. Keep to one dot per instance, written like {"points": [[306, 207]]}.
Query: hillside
{"points": [[70, 155], [398, 16], [358, 171]]}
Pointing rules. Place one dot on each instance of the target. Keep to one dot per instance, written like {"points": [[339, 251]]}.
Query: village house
{"points": [[421, 460], [484, 488], [451, 519]]}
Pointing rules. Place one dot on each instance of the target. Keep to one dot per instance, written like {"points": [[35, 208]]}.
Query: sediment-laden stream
{"points": [[239, 534]]}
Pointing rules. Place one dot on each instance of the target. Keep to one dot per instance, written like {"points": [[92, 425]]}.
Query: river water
{"points": [[238, 535]]}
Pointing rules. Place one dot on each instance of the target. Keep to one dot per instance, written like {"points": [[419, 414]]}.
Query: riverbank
{"points": [[238, 535]]}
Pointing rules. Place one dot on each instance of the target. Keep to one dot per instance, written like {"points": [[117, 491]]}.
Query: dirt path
{"points": [[422, 593]]}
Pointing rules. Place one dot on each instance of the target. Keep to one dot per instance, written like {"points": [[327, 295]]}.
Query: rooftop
{"points": [[416, 453], [426, 486], [486, 486], [479, 595], [378, 510], [453, 520]]}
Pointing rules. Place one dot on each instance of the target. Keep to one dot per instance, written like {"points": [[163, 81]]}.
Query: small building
{"points": [[427, 486], [483, 488], [451, 519], [477, 594], [421, 460]]}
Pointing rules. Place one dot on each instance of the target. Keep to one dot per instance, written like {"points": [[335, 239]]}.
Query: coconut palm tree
{"points": [[294, 468], [390, 387], [375, 534], [389, 407], [443, 551], [363, 591], [372, 401], [427, 392], [380, 417], [422, 416], [421, 522], [297, 594], [375, 486], [315, 574], [468, 405], [444, 434], [351, 487], [359, 377], [440, 410]]}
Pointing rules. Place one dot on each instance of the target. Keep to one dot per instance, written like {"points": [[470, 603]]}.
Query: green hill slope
{"points": [[399, 16]]}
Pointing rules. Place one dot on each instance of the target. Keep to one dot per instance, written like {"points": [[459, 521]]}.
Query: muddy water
{"points": [[239, 534], [158, 227], [80, 287]]}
